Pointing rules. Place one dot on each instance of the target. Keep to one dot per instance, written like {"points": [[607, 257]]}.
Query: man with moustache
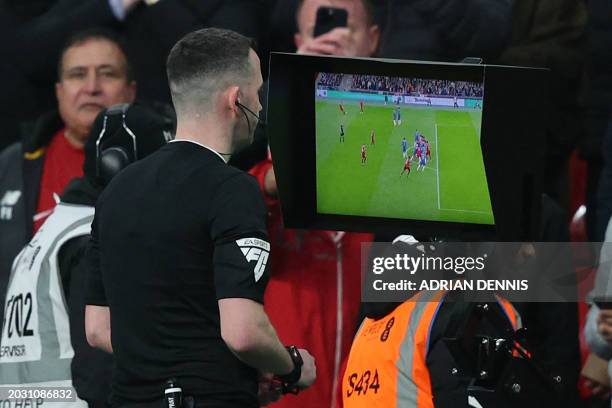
{"points": [[93, 74]]}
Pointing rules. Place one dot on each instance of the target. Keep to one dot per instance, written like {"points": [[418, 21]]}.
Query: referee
{"points": [[179, 252]]}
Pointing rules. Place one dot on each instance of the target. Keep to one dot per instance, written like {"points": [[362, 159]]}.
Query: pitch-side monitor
{"points": [[431, 148]]}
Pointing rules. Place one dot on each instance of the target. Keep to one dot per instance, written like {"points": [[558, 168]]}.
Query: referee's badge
{"points": [[255, 249]]}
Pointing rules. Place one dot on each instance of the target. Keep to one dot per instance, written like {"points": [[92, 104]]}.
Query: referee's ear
{"points": [[233, 98]]}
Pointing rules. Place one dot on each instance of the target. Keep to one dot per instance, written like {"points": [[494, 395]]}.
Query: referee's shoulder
{"points": [[233, 177]]}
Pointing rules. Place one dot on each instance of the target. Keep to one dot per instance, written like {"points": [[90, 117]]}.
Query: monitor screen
{"points": [[444, 150], [401, 148]]}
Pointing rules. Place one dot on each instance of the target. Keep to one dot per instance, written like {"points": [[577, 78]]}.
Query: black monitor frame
{"points": [[512, 140]]}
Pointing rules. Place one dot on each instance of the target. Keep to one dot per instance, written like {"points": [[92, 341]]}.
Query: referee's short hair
{"points": [[204, 62]]}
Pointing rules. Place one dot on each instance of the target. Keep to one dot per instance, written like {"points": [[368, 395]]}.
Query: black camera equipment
{"points": [[503, 370]]}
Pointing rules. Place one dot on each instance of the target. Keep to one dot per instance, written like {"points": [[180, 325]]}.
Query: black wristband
{"points": [[294, 376]]}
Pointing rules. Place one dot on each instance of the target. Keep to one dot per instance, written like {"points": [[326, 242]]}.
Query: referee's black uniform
{"points": [[170, 237]]}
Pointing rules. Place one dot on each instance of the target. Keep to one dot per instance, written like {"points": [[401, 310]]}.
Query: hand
{"points": [[309, 370], [526, 252], [270, 183], [269, 391], [604, 324], [336, 42], [598, 390]]}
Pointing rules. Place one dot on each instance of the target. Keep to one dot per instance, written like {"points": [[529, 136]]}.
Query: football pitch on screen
{"points": [[452, 186]]}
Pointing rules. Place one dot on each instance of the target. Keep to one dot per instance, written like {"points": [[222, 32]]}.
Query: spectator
{"points": [[598, 327], [281, 34], [58, 250], [597, 146], [359, 39], [32, 44], [407, 86], [94, 73], [446, 30], [551, 34]]}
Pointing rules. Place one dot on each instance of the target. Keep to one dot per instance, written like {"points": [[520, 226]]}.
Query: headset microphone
{"points": [[244, 108]]}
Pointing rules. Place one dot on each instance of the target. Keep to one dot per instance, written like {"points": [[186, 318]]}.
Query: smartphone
{"points": [[329, 18], [603, 303]]}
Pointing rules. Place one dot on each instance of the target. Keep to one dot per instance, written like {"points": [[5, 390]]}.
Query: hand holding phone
{"points": [[331, 35], [329, 18]]}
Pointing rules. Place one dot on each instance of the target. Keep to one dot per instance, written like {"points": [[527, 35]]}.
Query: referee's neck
{"points": [[214, 136]]}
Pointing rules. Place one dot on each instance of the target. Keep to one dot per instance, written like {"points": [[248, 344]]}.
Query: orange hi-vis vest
{"points": [[387, 367]]}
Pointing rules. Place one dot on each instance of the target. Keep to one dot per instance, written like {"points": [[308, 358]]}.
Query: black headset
{"points": [[110, 161], [243, 109]]}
